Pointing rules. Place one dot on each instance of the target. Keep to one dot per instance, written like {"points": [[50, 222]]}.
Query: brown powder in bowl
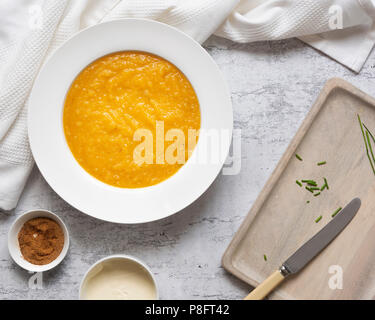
{"points": [[41, 240]]}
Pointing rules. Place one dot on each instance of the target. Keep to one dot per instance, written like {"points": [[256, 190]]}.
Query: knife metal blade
{"points": [[319, 241]]}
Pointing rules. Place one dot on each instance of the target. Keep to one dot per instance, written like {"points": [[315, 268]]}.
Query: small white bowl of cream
{"points": [[119, 277]]}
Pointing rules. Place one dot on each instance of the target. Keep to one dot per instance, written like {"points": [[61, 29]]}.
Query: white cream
{"points": [[118, 279]]}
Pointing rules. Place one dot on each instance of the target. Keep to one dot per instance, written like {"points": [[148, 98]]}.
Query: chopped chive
{"points": [[326, 183], [336, 212], [322, 163], [299, 183], [308, 201], [314, 188], [369, 159], [309, 181], [318, 219], [265, 257], [364, 138], [314, 184], [322, 188], [316, 194], [309, 189], [370, 146], [299, 157], [372, 137]]}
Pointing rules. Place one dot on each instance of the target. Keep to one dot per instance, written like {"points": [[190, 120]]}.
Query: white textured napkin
{"points": [[31, 29]]}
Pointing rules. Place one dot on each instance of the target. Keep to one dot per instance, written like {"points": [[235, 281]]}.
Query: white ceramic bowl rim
{"points": [[53, 156], [13, 244], [120, 256]]}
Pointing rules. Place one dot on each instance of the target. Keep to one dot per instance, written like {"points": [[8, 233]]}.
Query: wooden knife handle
{"points": [[266, 287]]}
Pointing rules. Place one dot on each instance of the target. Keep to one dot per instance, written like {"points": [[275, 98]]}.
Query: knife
{"points": [[307, 251]]}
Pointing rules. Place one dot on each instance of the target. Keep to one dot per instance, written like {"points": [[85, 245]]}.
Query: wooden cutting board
{"points": [[281, 220]]}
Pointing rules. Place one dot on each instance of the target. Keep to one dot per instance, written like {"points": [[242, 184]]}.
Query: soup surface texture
{"points": [[117, 95]]}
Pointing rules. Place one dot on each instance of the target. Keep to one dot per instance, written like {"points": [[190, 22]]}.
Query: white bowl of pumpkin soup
{"points": [[116, 96], [130, 121]]}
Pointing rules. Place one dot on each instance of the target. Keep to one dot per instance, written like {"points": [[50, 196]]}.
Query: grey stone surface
{"points": [[273, 86]]}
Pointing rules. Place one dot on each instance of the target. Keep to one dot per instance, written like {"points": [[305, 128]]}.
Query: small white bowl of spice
{"points": [[38, 240]]}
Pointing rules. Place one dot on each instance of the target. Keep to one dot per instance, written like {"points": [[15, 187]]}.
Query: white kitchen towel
{"points": [[31, 29], [318, 23]]}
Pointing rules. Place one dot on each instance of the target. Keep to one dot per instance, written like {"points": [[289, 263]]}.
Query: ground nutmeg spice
{"points": [[41, 240]]}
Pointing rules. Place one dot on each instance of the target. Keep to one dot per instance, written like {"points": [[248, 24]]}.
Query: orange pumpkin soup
{"points": [[115, 96]]}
